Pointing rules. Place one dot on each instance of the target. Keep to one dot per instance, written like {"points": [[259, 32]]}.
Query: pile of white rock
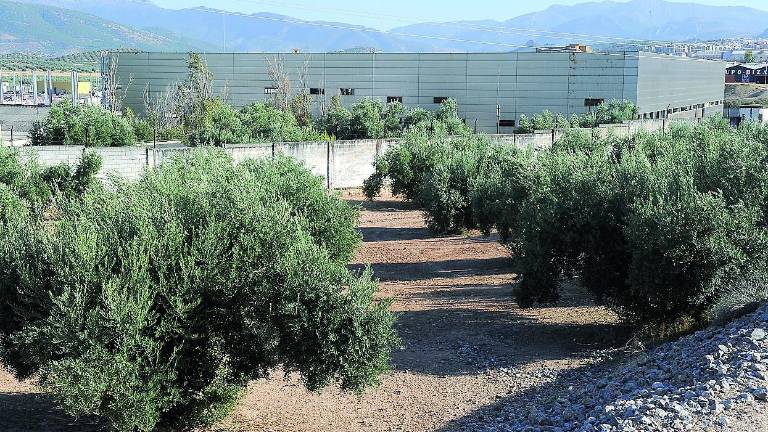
{"points": [[687, 385]]}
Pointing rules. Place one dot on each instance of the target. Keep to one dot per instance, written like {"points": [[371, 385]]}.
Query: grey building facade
{"points": [[489, 88]]}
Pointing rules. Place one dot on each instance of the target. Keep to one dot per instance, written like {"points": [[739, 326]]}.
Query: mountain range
{"points": [[44, 30], [64, 26]]}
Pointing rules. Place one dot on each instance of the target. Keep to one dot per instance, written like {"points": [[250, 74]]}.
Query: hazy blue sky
{"points": [[392, 13]]}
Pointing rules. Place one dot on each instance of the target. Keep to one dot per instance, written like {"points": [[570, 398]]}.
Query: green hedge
{"points": [[153, 304]]}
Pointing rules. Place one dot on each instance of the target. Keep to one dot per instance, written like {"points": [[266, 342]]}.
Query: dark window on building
{"points": [[506, 123], [439, 100], [593, 102], [270, 90], [391, 99], [347, 92], [316, 91]]}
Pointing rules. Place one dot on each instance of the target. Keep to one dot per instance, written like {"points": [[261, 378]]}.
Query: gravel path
{"points": [[468, 348]]}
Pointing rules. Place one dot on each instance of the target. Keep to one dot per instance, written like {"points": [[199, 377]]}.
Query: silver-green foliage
{"points": [[87, 125], [153, 304], [658, 226]]}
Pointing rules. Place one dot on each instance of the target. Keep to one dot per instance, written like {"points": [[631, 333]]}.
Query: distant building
{"points": [[492, 89], [744, 113], [747, 73], [710, 54], [741, 55], [572, 48]]}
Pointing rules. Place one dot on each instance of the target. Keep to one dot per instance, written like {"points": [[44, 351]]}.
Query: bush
{"points": [[393, 119], [370, 119], [616, 111], [448, 117], [36, 187], [153, 304], [219, 124], [525, 125], [88, 125], [543, 121], [613, 112], [265, 123], [446, 192], [364, 120], [142, 128], [407, 166], [436, 173], [657, 226], [661, 227]]}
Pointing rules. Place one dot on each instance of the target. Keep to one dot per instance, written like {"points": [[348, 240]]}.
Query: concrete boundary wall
{"points": [[343, 164]]}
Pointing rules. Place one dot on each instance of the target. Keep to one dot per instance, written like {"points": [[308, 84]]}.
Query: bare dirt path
{"points": [[466, 343], [467, 346]]}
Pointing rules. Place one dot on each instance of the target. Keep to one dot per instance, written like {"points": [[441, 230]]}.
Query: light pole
{"points": [[498, 119]]}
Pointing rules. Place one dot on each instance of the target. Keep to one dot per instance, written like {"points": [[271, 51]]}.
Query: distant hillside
{"points": [[654, 20], [657, 20], [80, 62], [257, 32], [46, 31]]}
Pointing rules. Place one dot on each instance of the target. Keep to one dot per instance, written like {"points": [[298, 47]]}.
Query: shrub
{"points": [[265, 123], [502, 184], [446, 192], [661, 227], [615, 111], [525, 125], [36, 186], [370, 119], [657, 226], [436, 173], [142, 128], [219, 124], [364, 120], [543, 121], [416, 116], [88, 125], [152, 304], [448, 117], [393, 119], [407, 165]]}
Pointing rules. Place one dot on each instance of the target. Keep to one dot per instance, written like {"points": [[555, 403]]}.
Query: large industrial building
{"points": [[492, 90]]}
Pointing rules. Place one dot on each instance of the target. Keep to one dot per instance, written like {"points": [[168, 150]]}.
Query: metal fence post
{"points": [[328, 164]]}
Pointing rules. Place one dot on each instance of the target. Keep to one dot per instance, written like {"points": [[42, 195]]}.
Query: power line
{"points": [[428, 37], [477, 27], [402, 34]]}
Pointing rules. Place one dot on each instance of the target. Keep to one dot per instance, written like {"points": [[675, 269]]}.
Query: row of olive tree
{"points": [[662, 227], [612, 112]]}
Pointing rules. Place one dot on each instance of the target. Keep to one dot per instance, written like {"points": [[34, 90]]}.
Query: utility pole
{"points": [[34, 88], [498, 119], [74, 88], [48, 88], [2, 89]]}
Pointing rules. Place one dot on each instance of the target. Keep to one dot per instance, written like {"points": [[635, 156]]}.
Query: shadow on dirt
{"points": [[456, 268], [379, 234], [464, 341], [383, 205], [33, 412]]}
